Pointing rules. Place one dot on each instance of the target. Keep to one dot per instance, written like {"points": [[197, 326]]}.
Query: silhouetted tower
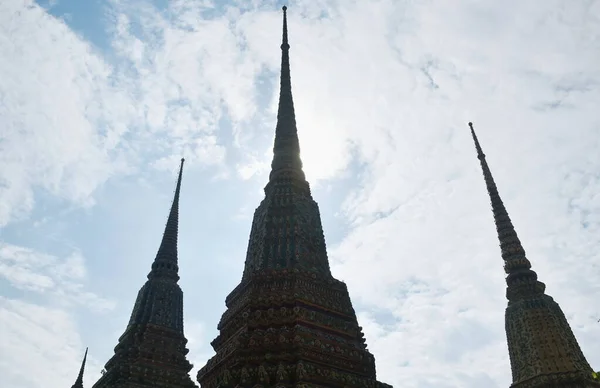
{"points": [[542, 348], [152, 350], [79, 381], [289, 323]]}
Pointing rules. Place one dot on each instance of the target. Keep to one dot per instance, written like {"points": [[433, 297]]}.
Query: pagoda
{"points": [[289, 323], [152, 350], [543, 350], [79, 381]]}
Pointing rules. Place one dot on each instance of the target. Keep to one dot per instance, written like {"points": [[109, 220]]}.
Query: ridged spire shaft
{"points": [[516, 264], [165, 263], [286, 230], [286, 149], [79, 381]]}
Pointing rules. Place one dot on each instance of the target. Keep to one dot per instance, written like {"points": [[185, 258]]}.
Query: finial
{"points": [[284, 44], [480, 153]]}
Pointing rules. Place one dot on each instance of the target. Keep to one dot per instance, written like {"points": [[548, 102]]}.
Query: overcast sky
{"points": [[99, 99]]}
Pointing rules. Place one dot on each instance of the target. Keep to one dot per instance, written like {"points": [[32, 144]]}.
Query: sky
{"points": [[99, 99]]}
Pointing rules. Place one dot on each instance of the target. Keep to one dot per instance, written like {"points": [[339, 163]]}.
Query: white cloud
{"points": [[178, 71], [198, 344], [60, 279], [383, 91], [40, 346], [72, 118], [56, 93], [39, 328]]}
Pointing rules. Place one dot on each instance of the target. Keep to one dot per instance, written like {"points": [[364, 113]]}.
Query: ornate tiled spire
{"points": [[152, 351], [521, 279], [286, 150], [286, 231], [165, 263], [79, 381], [288, 323], [543, 350]]}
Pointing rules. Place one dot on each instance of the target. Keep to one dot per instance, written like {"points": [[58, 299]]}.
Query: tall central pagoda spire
{"points": [[152, 351], [286, 150], [542, 347], [294, 238], [288, 323]]}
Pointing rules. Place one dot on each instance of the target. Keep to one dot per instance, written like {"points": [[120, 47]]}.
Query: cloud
{"points": [[177, 72], [40, 323], [56, 92], [58, 278], [382, 91], [73, 117], [41, 339], [198, 344]]}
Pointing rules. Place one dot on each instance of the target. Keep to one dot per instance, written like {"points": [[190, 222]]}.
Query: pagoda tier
{"points": [[289, 323]]}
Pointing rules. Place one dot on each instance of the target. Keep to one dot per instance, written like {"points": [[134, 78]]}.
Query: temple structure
{"points": [[79, 381], [542, 348], [289, 323], [152, 350]]}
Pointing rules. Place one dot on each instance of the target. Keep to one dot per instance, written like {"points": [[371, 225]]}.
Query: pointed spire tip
{"points": [[79, 381], [286, 147], [480, 153], [167, 252], [284, 42]]}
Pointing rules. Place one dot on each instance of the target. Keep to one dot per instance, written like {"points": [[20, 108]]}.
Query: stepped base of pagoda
{"points": [[301, 374], [563, 380], [289, 327], [148, 356], [152, 379]]}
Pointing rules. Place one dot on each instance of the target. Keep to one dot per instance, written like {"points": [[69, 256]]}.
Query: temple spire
{"points": [[521, 279], [165, 263], [152, 350], [288, 309], [542, 348], [286, 149], [79, 381]]}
